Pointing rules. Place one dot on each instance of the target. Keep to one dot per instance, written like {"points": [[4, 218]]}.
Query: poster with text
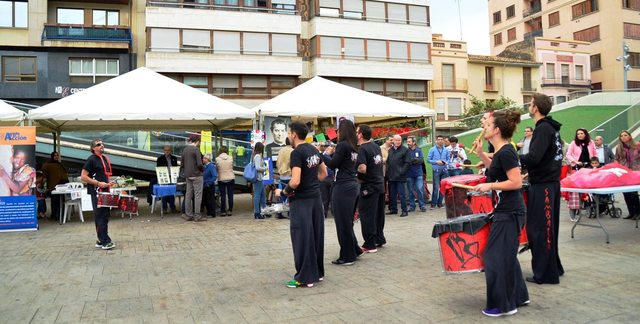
{"points": [[17, 179], [276, 129], [267, 179]]}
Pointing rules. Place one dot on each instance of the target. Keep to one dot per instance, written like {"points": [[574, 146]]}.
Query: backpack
{"points": [[250, 174]]}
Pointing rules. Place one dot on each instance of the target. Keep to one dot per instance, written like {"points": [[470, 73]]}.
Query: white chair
{"points": [[73, 203]]}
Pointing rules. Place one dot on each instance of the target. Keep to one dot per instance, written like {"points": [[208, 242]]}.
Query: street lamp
{"points": [[625, 67]]}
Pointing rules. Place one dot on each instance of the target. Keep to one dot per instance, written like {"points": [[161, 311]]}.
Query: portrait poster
{"points": [[341, 118], [17, 179], [276, 129]]}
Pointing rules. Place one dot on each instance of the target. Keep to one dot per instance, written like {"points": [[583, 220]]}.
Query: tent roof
{"points": [[9, 115], [139, 100], [320, 97]]}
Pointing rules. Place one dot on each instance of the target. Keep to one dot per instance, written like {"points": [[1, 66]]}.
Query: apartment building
{"points": [[605, 24], [51, 49], [249, 51], [565, 73], [449, 89]]}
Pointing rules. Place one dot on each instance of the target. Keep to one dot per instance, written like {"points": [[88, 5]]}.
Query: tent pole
{"points": [[55, 141], [433, 130]]}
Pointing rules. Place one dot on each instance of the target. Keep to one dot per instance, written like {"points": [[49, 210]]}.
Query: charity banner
{"points": [[17, 179]]}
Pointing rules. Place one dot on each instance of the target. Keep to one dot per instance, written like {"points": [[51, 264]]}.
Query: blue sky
{"points": [[475, 22]]}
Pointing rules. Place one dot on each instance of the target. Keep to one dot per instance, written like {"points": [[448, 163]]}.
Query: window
{"points": [[106, 18], [551, 71], [398, 51], [354, 48], [226, 42], [254, 85], [584, 8], [564, 73], [632, 30], [595, 62], [416, 90], [511, 11], [14, 13], [554, 19], [255, 43], [633, 85], [352, 9], [511, 34], [329, 8], [70, 16], [199, 82], [376, 50], [588, 35], [19, 69], [631, 4], [354, 83], [375, 11], [397, 13], [596, 86], [197, 40], [419, 52], [448, 77], [454, 106], [93, 70], [224, 85], [438, 44], [165, 40], [418, 15], [395, 89], [330, 47], [284, 45], [287, 7], [280, 84], [497, 39], [456, 46], [496, 17], [374, 86], [489, 83], [579, 72], [634, 60]]}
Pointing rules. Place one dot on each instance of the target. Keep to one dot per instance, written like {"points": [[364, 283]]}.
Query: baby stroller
{"points": [[605, 204]]}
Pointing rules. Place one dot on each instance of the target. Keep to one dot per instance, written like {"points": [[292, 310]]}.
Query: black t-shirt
{"points": [[343, 162], [370, 155], [503, 161], [306, 157], [96, 170]]}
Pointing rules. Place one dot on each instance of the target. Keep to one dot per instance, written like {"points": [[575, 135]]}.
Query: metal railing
{"points": [[492, 85], [207, 6], [532, 34], [565, 82], [537, 7], [528, 86], [628, 119], [458, 84], [84, 33]]}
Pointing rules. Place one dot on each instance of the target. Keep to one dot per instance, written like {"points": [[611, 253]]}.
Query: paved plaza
{"points": [[234, 270]]}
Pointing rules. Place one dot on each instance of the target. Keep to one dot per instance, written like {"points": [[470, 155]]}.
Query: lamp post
{"points": [[625, 67]]}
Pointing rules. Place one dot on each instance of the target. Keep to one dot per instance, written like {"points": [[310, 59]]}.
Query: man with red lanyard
{"points": [[95, 173]]}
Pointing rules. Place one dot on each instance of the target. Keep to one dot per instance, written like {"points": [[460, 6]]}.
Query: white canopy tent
{"points": [[320, 97], [9, 115], [139, 100]]}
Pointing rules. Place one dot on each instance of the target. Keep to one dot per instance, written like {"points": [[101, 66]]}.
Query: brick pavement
{"points": [[233, 270]]}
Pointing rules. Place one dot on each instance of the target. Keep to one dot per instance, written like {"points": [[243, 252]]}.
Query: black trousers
{"points": [[226, 195], [343, 208], [101, 216], [325, 191], [633, 202], [506, 288], [56, 202], [307, 238], [543, 222], [371, 208], [209, 200]]}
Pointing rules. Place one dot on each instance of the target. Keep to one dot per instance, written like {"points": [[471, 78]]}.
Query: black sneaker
{"points": [[98, 245], [108, 246], [342, 262]]}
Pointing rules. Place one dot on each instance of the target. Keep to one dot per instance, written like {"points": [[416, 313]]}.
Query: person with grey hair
{"points": [[168, 160], [209, 185], [605, 153], [192, 166]]}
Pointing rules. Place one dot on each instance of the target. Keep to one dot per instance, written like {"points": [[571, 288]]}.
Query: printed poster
{"points": [[17, 179], [268, 174]]}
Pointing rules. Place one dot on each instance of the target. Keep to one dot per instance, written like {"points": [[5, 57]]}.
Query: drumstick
{"points": [[463, 186], [475, 145], [526, 175]]}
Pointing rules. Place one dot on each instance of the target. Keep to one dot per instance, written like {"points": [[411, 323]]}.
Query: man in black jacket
{"points": [[605, 154], [168, 160], [544, 161], [397, 165]]}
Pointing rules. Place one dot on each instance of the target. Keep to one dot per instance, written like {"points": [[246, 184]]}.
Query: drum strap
{"points": [[104, 166]]}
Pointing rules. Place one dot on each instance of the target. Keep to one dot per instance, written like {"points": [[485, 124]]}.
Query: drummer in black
{"points": [[95, 173], [506, 289], [371, 202], [344, 192], [305, 208]]}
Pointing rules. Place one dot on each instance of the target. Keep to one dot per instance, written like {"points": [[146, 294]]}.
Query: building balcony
{"points": [[532, 10], [492, 85], [532, 34], [377, 69], [285, 9], [83, 36], [528, 86], [456, 85], [327, 26], [566, 82]]}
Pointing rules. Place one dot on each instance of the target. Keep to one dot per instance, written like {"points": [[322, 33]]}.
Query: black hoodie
{"points": [[544, 159]]}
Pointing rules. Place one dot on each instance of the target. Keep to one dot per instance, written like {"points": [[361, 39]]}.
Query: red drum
{"points": [[462, 242], [128, 204], [458, 201], [523, 238], [106, 199]]}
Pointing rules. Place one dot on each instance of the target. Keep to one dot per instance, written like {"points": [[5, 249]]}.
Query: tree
{"points": [[471, 117]]}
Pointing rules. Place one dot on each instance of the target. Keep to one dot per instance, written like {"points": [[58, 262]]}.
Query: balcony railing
{"points": [[565, 82], [492, 85], [450, 85], [532, 10], [84, 33], [283, 9], [532, 34], [528, 86]]}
